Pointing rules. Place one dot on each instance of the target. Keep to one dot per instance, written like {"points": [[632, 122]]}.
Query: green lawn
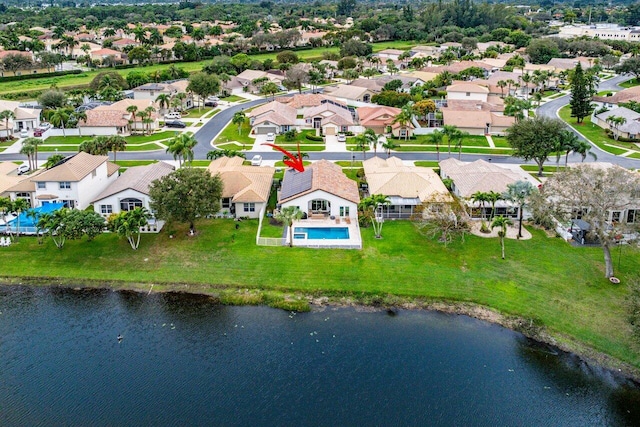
{"points": [[301, 137], [201, 163], [230, 133], [64, 140], [131, 163], [149, 146], [157, 136], [500, 141], [234, 98], [196, 113], [349, 164], [280, 164], [570, 298], [630, 83], [426, 163], [595, 133]]}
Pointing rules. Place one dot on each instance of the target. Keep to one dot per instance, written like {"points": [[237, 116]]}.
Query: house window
{"points": [[65, 185], [319, 205], [468, 94], [249, 207], [93, 173], [106, 209], [344, 129], [633, 216], [226, 202], [344, 210], [42, 185], [615, 216], [130, 204], [403, 133]]}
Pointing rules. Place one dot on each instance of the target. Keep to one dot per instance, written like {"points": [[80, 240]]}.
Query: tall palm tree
{"points": [[372, 140], [7, 115], [19, 205], [182, 147], [163, 100], [28, 150], [435, 138], [493, 197], [369, 206], [481, 199], [404, 117], [389, 145], [143, 115], [81, 116], [288, 215], [501, 222], [33, 142], [362, 144], [238, 119], [583, 148], [519, 193], [501, 84], [149, 110], [59, 117], [451, 132], [116, 143], [132, 109]]}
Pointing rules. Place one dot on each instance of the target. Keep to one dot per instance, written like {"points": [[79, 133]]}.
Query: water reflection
{"points": [[185, 360]]}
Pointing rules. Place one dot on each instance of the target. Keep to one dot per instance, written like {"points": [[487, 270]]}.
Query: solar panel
{"points": [[295, 182]]}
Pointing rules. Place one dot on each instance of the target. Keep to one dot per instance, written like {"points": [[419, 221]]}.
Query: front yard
{"points": [[230, 133]]}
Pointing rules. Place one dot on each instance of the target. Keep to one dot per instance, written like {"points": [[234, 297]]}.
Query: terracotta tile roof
{"points": [[108, 118], [137, 178], [391, 177], [377, 116], [306, 100], [74, 169], [325, 176], [480, 176], [625, 95], [243, 184], [464, 105], [274, 112], [330, 113], [346, 91], [467, 87]]}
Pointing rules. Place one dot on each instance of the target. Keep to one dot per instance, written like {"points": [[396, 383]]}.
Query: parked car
{"points": [[24, 133], [208, 103], [213, 98], [271, 137], [23, 168], [45, 126], [174, 115], [38, 132], [256, 160], [175, 124], [342, 137]]}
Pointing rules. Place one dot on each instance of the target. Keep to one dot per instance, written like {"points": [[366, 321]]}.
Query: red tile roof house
{"points": [[274, 117], [476, 117], [322, 190], [381, 120], [330, 118], [114, 119]]}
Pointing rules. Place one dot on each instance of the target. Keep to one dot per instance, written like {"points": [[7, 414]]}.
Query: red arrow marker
{"points": [[293, 160]]}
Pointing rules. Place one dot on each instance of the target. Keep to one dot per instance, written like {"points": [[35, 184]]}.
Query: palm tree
{"points": [[59, 117], [116, 143], [143, 115], [149, 110], [404, 117], [501, 222], [163, 100], [216, 154], [493, 197], [53, 160], [459, 137], [127, 224], [518, 193], [6, 206], [362, 144], [182, 147], [132, 109], [389, 145], [33, 142], [288, 215], [369, 206], [583, 148], [372, 140], [501, 84], [7, 115], [480, 198], [81, 116], [19, 205], [452, 132], [238, 119], [33, 215], [435, 138]]}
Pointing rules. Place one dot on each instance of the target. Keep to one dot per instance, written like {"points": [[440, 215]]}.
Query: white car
{"points": [[45, 126], [174, 115], [24, 133], [271, 137], [23, 168], [256, 160], [213, 98], [342, 137]]}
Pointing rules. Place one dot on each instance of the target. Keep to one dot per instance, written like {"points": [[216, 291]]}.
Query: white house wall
{"points": [[114, 201], [463, 96], [303, 203], [240, 213], [91, 186]]}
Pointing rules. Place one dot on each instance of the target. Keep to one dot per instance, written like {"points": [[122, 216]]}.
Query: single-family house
{"points": [[130, 190], [407, 187], [152, 90], [115, 119], [306, 100], [348, 93], [274, 117], [245, 189], [381, 120], [625, 95], [76, 181], [106, 53], [16, 186], [24, 118], [244, 80], [392, 54], [331, 118], [321, 191], [477, 117], [124, 43], [627, 126], [564, 64], [481, 176], [467, 92]]}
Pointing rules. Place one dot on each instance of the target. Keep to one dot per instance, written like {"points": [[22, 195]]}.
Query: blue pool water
{"points": [[27, 221], [321, 233]]}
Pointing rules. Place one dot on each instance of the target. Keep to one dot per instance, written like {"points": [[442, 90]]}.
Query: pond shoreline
{"points": [[297, 301]]}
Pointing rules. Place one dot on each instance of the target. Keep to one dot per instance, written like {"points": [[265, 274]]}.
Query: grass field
{"points": [[630, 83], [561, 287], [230, 133], [196, 113], [426, 163], [234, 98]]}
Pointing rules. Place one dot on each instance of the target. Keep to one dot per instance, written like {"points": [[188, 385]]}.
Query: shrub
{"points": [[314, 137], [290, 135]]}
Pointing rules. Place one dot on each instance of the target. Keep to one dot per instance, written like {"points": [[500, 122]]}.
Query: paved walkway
{"points": [[490, 141]]}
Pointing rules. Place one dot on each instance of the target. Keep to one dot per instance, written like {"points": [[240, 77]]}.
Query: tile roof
{"points": [[472, 114], [330, 113], [305, 100], [137, 178], [324, 176], [625, 95], [100, 118], [346, 91], [274, 112], [243, 184], [377, 116], [467, 87], [391, 177], [481, 176], [74, 169]]}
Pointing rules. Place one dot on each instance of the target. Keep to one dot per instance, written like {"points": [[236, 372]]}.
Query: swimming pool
{"points": [[333, 233]]}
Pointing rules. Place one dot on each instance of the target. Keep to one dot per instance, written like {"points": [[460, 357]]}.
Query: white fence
{"points": [[267, 241]]}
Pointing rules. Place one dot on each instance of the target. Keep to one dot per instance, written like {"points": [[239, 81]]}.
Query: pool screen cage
{"points": [[379, 214]]}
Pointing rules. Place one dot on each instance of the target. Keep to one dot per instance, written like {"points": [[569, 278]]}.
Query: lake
{"points": [[184, 360]]}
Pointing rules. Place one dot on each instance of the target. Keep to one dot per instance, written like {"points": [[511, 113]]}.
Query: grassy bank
{"points": [[543, 279]]}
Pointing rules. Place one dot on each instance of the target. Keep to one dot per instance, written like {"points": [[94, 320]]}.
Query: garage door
{"points": [[330, 130], [263, 130]]}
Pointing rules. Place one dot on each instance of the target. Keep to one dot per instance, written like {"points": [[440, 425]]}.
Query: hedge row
{"points": [[314, 138], [39, 75]]}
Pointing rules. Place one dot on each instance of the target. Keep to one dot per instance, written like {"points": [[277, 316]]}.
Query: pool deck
{"points": [[353, 242]]}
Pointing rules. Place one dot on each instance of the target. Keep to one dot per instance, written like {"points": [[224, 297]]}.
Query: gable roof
{"points": [[625, 95], [306, 100], [274, 112], [74, 169], [321, 175], [104, 118], [137, 178], [377, 116], [481, 176], [391, 177], [347, 92], [628, 114], [467, 87], [243, 184]]}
